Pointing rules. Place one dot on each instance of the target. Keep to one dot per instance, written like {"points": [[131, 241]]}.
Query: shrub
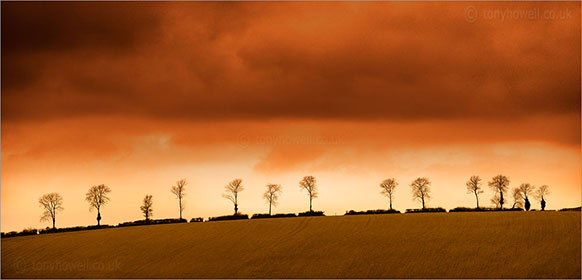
{"points": [[9, 234], [377, 211], [426, 210], [28, 231], [483, 209], [134, 223], [311, 213], [509, 209], [229, 217], [78, 228], [572, 209], [197, 220], [151, 222], [168, 221], [266, 216]]}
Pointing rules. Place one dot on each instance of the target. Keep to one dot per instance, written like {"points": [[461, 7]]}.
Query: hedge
{"points": [[311, 213], [230, 217], [426, 210], [266, 216], [377, 211]]}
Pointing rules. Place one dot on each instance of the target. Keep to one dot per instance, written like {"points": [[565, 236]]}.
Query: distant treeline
{"points": [[256, 216], [98, 196]]}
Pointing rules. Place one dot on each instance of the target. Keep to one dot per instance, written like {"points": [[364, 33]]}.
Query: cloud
{"points": [[258, 61]]}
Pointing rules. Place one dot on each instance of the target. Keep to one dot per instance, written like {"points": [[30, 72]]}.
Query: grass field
{"points": [[424, 245]]}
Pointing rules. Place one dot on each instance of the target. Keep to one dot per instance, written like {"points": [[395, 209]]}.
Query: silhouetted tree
{"points": [[308, 183], [232, 190], [51, 204], [495, 200], [474, 187], [541, 193], [146, 207], [420, 190], [499, 183], [272, 195], [517, 198], [525, 190], [388, 186], [179, 190], [97, 197]]}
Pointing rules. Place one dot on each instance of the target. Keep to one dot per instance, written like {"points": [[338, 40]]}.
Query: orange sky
{"points": [[140, 95]]}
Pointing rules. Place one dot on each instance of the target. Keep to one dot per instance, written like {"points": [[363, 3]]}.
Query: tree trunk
{"points": [[390, 203], [180, 201], [477, 197], [422, 203], [98, 217], [310, 204], [270, 208], [54, 223]]}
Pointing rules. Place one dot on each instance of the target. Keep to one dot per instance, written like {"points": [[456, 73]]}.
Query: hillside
{"points": [[427, 245]]}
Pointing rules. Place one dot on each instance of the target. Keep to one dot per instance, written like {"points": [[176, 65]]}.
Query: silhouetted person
{"points": [[543, 204], [527, 204]]}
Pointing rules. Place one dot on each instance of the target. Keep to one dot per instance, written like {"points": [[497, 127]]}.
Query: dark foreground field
{"points": [[428, 245]]}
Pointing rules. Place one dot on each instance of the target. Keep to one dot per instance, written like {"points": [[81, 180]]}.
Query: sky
{"points": [[140, 95]]}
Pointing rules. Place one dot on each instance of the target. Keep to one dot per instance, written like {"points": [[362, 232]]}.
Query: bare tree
{"points": [[388, 186], [495, 200], [97, 197], [500, 184], [421, 190], [232, 190], [308, 183], [147, 207], [474, 187], [525, 190], [272, 195], [517, 198], [51, 204], [542, 192], [179, 190]]}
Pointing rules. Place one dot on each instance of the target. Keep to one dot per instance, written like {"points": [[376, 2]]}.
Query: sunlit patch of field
{"points": [[424, 245]]}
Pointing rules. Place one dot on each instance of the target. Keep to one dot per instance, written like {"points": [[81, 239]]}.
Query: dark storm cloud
{"points": [[36, 30], [42, 26], [208, 61]]}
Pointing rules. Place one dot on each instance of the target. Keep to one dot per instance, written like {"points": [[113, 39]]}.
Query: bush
{"points": [[426, 210], [377, 211], [78, 228], [168, 221], [483, 209], [311, 213], [9, 234], [572, 209], [134, 223], [197, 220], [229, 217], [151, 222], [28, 231], [266, 216]]}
